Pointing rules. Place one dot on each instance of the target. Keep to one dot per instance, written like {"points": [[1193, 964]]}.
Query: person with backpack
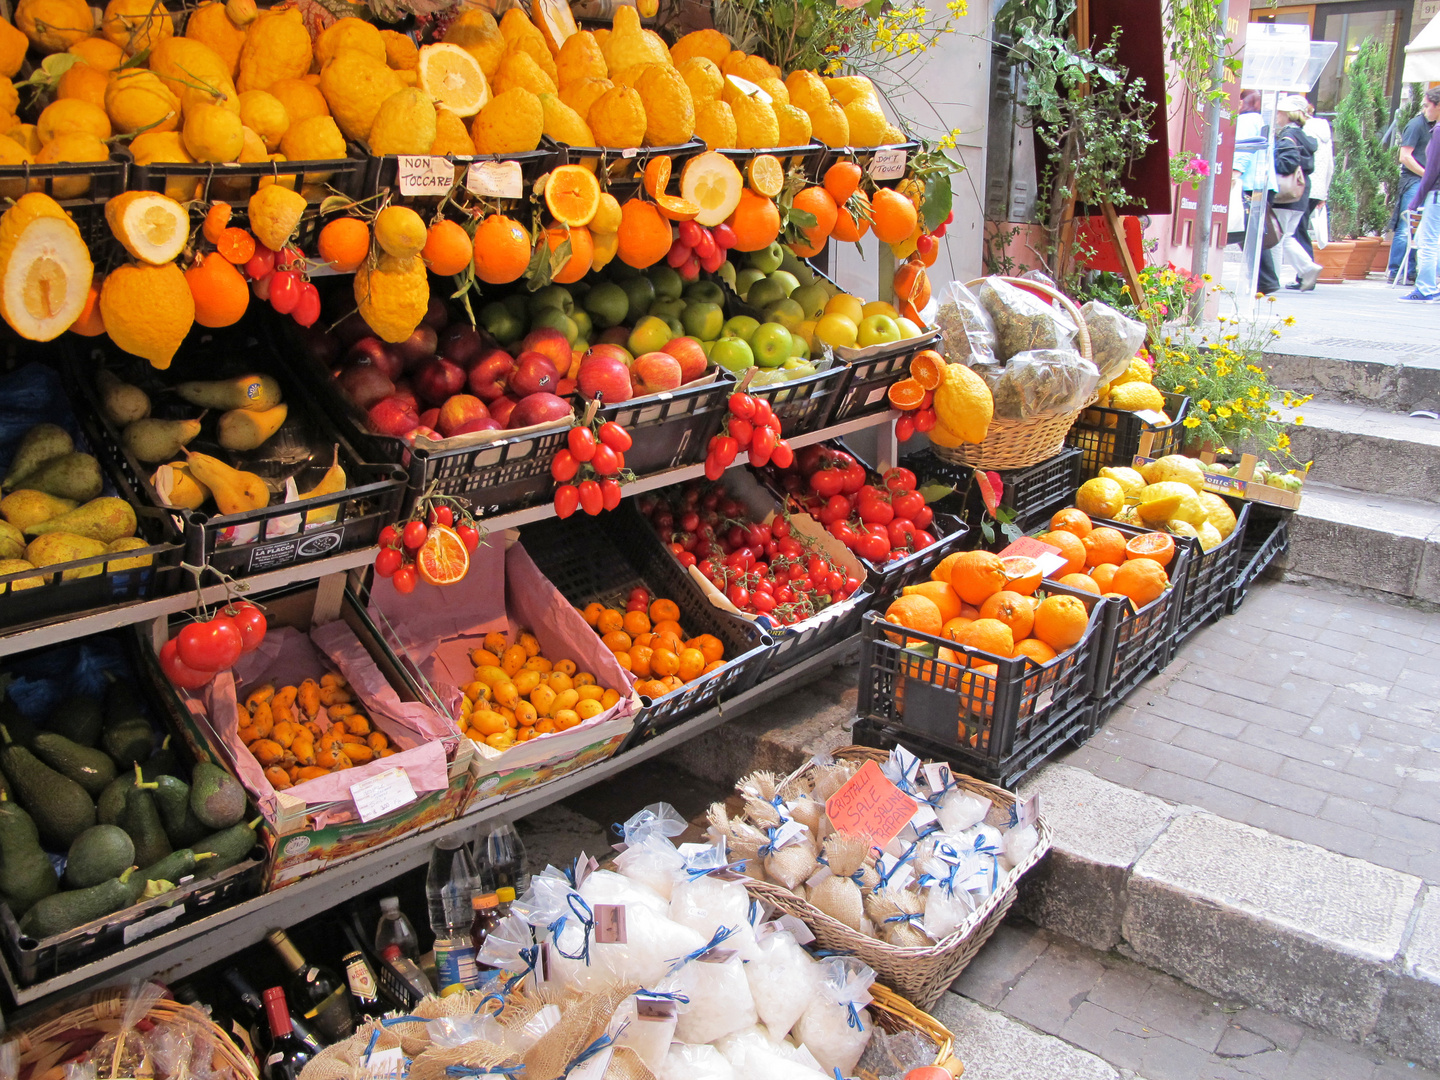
{"points": [[1294, 164]]}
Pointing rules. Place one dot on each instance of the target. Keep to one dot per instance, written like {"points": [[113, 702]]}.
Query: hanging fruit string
{"points": [[590, 468], [434, 543], [212, 643]]}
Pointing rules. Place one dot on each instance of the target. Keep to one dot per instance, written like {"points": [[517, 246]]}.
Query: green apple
{"points": [[583, 323], [733, 354], [705, 292], [771, 344], [796, 368], [641, 295], [741, 326], [704, 321], [785, 279], [746, 279], [667, 281], [908, 329], [706, 347], [500, 322], [812, 300], [764, 293], [607, 304], [793, 264], [668, 309], [877, 330], [650, 335], [677, 328], [519, 305], [799, 348], [726, 273], [554, 318], [787, 313], [767, 259], [552, 296]]}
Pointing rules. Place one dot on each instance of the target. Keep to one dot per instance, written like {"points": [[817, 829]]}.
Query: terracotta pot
{"points": [[1332, 258], [1357, 267], [1381, 263]]}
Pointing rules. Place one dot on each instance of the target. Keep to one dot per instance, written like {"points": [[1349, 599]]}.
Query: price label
{"points": [[495, 180], [1027, 811], [870, 805], [148, 925], [610, 924], [887, 165], [1153, 418], [937, 775], [424, 175], [381, 793], [1047, 556]]}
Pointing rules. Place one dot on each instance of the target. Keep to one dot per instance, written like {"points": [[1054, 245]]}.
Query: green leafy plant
{"points": [[1363, 167], [1194, 36]]}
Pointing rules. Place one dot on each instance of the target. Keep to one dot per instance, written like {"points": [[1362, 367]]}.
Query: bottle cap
{"points": [[389, 903], [391, 952], [505, 894], [453, 988], [482, 903]]}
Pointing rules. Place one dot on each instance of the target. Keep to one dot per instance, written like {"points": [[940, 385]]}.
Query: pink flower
{"points": [[1200, 165], [850, 5], [1164, 309]]}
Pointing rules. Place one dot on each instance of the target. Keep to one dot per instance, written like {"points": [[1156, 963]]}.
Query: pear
{"points": [[123, 403], [104, 519], [152, 440], [234, 491], [70, 476], [246, 429], [24, 508], [60, 547], [14, 566], [332, 482], [176, 486], [128, 543], [12, 541], [243, 392], [41, 443]]}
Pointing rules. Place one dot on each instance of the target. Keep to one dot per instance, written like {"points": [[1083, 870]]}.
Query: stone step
{"points": [[1367, 540], [1365, 448], [1399, 377]]}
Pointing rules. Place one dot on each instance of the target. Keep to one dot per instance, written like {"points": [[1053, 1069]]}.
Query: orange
{"points": [[502, 250], [1060, 621], [977, 688], [977, 575], [1022, 574], [216, 219], [969, 611], [636, 623], [237, 245], [582, 251], [848, 227], [711, 647], [713, 665], [940, 593], [1157, 546], [943, 567], [988, 635], [820, 203], [640, 660], [664, 662], [1104, 545], [443, 558], [767, 175], [644, 639], [609, 621], [617, 641], [657, 174], [572, 194], [1035, 649], [912, 284], [669, 626], [90, 324], [668, 641], [1072, 521], [927, 369], [448, 248], [1142, 580], [345, 244], [593, 611], [1070, 547], [624, 660], [894, 216], [221, 295], [756, 222], [954, 626], [692, 662], [644, 234], [842, 180], [1103, 574], [1012, 609], [906, 394], [917, 613], [1081, 581], [664, 611]]}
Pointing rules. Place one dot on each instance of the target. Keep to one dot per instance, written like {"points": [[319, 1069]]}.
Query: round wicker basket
{"points": [[1018, 444], [894, 1014]]}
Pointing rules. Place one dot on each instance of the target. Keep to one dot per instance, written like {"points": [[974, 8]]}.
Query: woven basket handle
{"points": [[1054, 296]]}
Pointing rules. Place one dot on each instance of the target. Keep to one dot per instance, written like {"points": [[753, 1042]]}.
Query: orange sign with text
{"points": [[870, 805]]}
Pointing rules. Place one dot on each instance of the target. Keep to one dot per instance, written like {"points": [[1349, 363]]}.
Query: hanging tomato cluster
{"points": [[279, 277], [192, 657], [595, 453], [752, 425], [433, 545], [699, 248]]}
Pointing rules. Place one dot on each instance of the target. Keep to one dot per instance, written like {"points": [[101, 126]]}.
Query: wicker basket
{"points": [[894, 1014], [1018, 444], [920, 974], [64, 1036]]}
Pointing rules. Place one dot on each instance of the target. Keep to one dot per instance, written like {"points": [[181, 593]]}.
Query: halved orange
{"points": [[674, 208], [657, 174], [1154, 545], [442, 559], [1022, 574], [906, 394], [928, 368], [572, 195], [767, 175]]}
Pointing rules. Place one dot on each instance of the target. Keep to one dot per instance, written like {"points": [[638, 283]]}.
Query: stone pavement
{"points": [[1309, 713]]}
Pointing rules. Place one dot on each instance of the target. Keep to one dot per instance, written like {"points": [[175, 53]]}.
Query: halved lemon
{"points": [[767, 175], [453, 78], [713, 183], [442, 559], [572, 195]]}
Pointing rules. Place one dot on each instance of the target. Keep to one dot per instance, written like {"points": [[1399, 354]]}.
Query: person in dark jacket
{"points": [[1427, 238], [1294, 150]]}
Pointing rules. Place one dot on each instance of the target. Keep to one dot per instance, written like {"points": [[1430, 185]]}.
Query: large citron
{"points": [[45, 268], [963, 403], [148, 310], [393, 296]]}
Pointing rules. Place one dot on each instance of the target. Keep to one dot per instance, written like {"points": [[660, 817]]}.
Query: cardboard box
{"points": [[1243, 486]]}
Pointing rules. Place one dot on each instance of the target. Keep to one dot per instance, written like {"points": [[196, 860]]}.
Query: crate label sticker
{"points": [[381, 793], [283, 553], [1027, 811], [1043, 699], [424, 175], [876, 394], [144, 927], [610, 924], [887, 165], [495, 180], [1047, 556], [1153, 418], [870, 805], [629, 152]]}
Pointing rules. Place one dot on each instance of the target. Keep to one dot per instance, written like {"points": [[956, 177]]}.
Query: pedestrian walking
{"points": [[1314, 229], [1427, 239], [1294, 165], [1414, 143]]}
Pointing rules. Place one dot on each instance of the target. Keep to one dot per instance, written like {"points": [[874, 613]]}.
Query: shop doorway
{"points": [[1349, 25]]}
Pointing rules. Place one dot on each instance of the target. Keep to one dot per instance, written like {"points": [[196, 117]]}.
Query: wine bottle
{"points": [[247, 1019], [360, 976], [321, 997], [286, 1054]]}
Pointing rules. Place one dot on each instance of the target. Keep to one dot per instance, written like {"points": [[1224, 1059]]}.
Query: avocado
{"points": [[99, 853], [174, 867], [110, 807], [216, 797], [142, 822], [172, 799], [164, 760], [229, 847], [26, 873], [67, 910], [127, 736], [60, 807], [19, 726], [79, 718], [90, 768]]}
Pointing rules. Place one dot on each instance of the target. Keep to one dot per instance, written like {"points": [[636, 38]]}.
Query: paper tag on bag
{"points": [[870, 805], [610, 924], [789, 832], [887, 165], [798, 930], [593, 1068], [1153, 418], [382, 793], [495, 180], [1027, 811], [655, 1008], [937, 775], [424, 175]]}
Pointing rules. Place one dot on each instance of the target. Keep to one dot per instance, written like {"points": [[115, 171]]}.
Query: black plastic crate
{"points": [[805, 158], [87, 210], [1035, 492], [866, 393], [1112, 436], [587, 563], [805, 404], [277, 535], [996, 726], [1267, 538], [1210, 575], [622, 172], [673, 428], [382, 171]]}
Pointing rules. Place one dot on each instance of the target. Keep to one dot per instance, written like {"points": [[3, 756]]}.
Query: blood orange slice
{"points": [[1022, 574], [442, 559], [1153, 545]]}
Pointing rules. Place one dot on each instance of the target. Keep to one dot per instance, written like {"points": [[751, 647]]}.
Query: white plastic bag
{"points": [[784, 979], [960, 810], [687, 1062], [720, 1002], [836, 1027]]}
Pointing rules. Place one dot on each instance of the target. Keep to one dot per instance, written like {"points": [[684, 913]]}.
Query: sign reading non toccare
{"points": [[424, 174], [870, 805]]}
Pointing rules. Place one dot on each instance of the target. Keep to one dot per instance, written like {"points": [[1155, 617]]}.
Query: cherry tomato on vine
{"points": [[469, 536], [442, 515], [260, 264], [761, 446], [606, 461], [610, 496], [591, 500], [307, 306], [177, 671], [389, 536], [615, 436], [782, 457], [563, 466], [250, 621], [415, 534], [714, 470], [567, 498], [210, 645], [405, 579], [285, 291], [581, 441], [905, 428], [388, 561], [899, 479], [742, 405]]}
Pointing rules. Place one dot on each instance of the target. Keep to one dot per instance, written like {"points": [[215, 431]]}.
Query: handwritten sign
{"points": [[870, 805], [495, 180], [424, 175], [887, 165], [378, 795], [1047, 556]]}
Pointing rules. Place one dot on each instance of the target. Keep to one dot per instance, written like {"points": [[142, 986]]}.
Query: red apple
{"points": [[364, 383], [437, 379], [551, 343], [482, 423], [602, 375], [380, 354], [404, 388], [691, 356], [565, 387], [419, 346], [420, 432], [430, 418], [653, 372], [541, 408], [536, 373], [461, 343], [606, 348], [502, 407], [459, 410], [490, 375], [436, 313], [391, 416]]}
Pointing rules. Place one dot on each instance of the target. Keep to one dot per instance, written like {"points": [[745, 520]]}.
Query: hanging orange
{"points": [[221, 295], [448, 248], [842, 180], [502, 250], [644, 236], [582, 251], [894, 215], [345, 244], [756, 222]]}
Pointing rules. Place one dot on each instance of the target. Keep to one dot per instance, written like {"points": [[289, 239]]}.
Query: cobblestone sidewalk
{"points": [[1309, 713]]}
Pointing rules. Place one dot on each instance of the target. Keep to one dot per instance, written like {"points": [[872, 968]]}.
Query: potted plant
{"points": [[1358, 206]]}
